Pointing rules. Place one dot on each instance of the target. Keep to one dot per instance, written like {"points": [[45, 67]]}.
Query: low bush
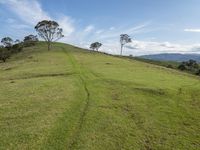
{"points": [[190, 66], [17, 48], [4, 54]]}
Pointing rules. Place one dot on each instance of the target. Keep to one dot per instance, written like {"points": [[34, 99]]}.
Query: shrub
{"points": [[198, 72], [17, 48], [4, 54], [169, 66], [190, 66], [30, 40], [182, 66]]}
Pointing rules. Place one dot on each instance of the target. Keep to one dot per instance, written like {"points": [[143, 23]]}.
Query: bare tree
{"points": [[95, 45], [124, 39], [49, 31]]}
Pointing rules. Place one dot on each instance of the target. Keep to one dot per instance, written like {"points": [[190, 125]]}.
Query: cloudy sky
{"points": [[156, 26]]}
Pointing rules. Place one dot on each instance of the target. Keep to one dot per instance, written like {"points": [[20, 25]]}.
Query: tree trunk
{"points": [[121, 49], [49, 46]]}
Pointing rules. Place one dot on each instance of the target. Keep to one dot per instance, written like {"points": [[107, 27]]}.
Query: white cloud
{"points": [[89, 28], [10, 20], [99, 31], [115, 32], [66, 23], [192, 30], [19, 26], [146, 47], [195, 49], [137, 29], [14, 24], [112, 28], [31, 12]]}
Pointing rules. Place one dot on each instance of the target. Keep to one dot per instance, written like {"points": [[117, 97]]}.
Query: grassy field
{"points": [[168, 64], [69, 98]]}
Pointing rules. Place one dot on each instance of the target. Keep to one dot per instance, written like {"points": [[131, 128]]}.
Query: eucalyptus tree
{"points": [[7, 42], [124, 39], [49, 31], [30, 38], [95, 46]]}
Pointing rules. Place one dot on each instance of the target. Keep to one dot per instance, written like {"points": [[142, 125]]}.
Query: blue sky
{"points": [[156, 26]]}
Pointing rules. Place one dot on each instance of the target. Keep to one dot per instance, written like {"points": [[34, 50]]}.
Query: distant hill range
{"points": [[172, 57]]}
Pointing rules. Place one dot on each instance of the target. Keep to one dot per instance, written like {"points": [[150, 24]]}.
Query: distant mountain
{"points": [[172, 57]]}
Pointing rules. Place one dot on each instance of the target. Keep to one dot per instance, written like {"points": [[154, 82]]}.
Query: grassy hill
{"points": [[69, 98], [168, 64], [172, 64]]}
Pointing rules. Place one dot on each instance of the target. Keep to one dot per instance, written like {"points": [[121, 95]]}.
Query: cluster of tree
{"points": [[47, 30], [50, 32], [30, 40], [190, 66], [9, 46]]}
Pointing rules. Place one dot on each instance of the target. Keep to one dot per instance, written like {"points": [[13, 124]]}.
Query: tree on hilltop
{"points": [[124, 39], [7, 42], [95, 46], [31, 38], [49, 31]]}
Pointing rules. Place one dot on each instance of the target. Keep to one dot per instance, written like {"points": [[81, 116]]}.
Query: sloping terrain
{"points": [[69, 98]]}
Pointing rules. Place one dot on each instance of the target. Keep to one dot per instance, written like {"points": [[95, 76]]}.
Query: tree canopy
{"points": [[95, 46], [31, 38], [7, 41], [124, 39], [49, 31], [191, 66]]}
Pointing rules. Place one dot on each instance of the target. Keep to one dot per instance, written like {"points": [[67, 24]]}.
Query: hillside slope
{"points": [[68, 98]]}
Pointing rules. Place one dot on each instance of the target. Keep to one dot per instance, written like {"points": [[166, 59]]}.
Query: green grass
{"points": [[168, 64], [69, 98]]}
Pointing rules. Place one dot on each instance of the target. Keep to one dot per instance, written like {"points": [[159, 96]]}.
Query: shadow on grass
{"points": [[42, 76]]}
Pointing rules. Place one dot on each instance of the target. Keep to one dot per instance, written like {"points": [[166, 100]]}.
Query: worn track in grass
{"points": [[80, 70]]}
